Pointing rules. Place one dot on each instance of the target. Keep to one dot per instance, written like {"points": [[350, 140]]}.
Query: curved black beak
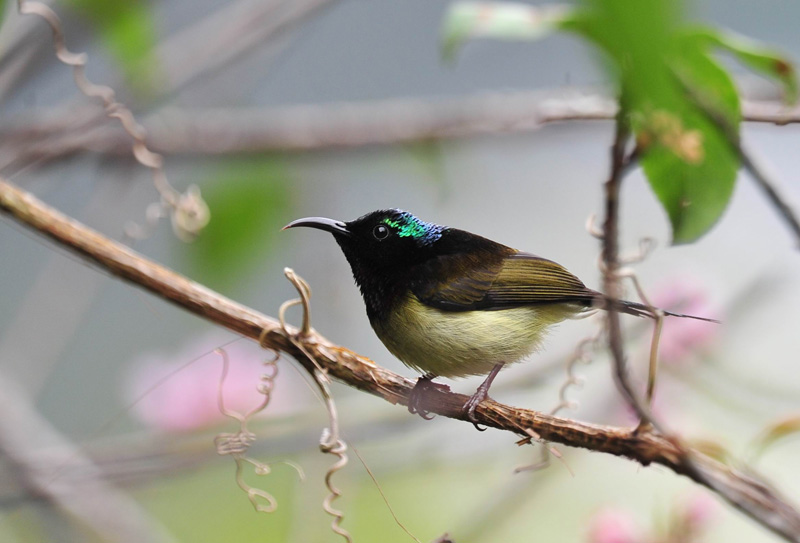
{"points": [[321, 223]]}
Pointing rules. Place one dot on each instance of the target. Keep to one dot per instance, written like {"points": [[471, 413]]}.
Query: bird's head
{"points": [[381, 242]]}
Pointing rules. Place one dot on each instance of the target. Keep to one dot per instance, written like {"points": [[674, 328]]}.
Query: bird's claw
{"points": [[472, 404], [419, 411], [414, 401], [415, 398], [481, 394]]}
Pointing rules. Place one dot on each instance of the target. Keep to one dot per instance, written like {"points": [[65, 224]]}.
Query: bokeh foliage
{"points": [[679, 100]]}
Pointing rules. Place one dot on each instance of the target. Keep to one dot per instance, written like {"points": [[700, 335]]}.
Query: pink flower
{"points": [[700, 509], [692, 516], [680, 337], [613, 525], [178, 391]]}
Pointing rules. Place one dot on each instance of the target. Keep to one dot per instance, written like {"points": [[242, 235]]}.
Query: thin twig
{"points": [[770, 188], [744, 490], [611, 265], [383, 497]]}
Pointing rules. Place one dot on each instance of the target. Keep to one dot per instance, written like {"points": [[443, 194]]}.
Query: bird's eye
{"points": [[380, 232]]}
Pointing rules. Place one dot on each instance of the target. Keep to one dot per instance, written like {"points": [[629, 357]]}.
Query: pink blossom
{"points": [[700, 509], [613, 525], [178, 392]]}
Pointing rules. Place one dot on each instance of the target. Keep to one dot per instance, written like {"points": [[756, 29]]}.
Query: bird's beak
{"points": [[321, 223]]}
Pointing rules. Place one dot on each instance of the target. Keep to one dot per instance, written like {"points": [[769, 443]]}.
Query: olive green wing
{"points": [[526, 279], [520, 279]]}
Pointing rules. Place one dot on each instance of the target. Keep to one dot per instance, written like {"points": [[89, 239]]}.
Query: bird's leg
{"points": [[481, 394], [424, 384]]}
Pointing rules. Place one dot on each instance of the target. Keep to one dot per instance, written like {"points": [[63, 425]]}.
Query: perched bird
{"points": [[450, 303]]}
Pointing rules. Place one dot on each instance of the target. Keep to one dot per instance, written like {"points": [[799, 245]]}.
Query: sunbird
{"points": [[450, 303]]}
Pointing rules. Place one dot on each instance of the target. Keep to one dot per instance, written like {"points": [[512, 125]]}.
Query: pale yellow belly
{"points": [[458, 344]]}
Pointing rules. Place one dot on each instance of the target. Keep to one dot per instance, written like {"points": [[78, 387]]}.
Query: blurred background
{"points": [[277, 110]]}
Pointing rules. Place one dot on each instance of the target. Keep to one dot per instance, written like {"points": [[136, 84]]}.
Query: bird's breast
{"points": [[462, 343]]}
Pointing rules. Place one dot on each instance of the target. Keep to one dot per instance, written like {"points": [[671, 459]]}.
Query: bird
{"points": [[449, 303]]}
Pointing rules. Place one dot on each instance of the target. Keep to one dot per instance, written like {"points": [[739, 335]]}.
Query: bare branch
{"points": [[297, 128], [62, 133], [770, 186], [763, 504], [39, 453], [621, 162], [690, 462]]}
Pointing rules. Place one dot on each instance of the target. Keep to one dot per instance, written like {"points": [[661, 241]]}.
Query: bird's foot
{"points": [[472, 404], [481, 394], [415, 399]]}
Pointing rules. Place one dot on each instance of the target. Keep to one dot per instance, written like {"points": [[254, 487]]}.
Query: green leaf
{"points": [[753, 54], [693, 191], [636, 36], [249, 201], [465, 20], [681, 104], [128, 30], [689, 162], [699, 72], [2, 12], [686, 157]]}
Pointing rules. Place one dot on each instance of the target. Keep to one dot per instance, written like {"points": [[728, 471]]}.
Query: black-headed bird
{"points": [[449, 303]]}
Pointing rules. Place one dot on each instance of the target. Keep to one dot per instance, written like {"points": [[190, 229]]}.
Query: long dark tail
{"points": [[641, 310]]}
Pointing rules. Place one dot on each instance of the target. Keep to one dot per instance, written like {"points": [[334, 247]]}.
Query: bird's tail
{"points": [[642, 310]]}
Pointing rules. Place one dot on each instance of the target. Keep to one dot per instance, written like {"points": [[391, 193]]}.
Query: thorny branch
{"points": [[744, 490]]}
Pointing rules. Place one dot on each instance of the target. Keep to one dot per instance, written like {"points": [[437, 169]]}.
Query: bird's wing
{"points": [[515, 280]]}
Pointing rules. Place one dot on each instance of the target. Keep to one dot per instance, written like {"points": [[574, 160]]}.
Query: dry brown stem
{"points": [[764, 504]]}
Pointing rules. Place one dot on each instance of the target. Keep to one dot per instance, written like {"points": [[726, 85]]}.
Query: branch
{"points": [[38, 452], [689, 461], [611, 265], [307, 128], [297, 128], [765, 505], [770, 187]]}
